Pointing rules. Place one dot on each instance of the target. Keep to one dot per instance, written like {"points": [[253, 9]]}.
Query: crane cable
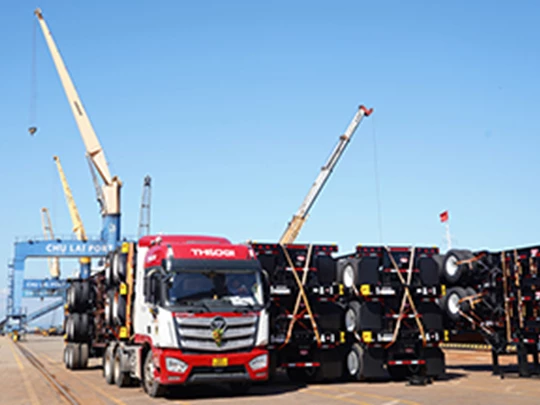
{"points": [[377, 182], [32, 116]]}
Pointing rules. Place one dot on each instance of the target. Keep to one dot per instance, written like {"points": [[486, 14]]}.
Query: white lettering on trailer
{"points": [[213, 252]]}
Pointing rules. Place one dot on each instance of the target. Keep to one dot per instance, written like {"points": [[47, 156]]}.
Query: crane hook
{"points": [[32, 130]]}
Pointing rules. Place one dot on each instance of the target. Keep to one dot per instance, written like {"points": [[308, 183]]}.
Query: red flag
{"points": [[444, 216]]}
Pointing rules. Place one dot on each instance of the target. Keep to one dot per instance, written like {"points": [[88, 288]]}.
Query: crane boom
{"points": [[54, 262], [298, 220], [78, 227], [111, 187]]}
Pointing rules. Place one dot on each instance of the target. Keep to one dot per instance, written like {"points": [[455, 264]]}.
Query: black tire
{"points": [[108, 364], [150, 385], [75, 357], [71, 298], [84, 296], [109, 279], [347, 272], [119, 267], [352, 317], [84, 354], [70, 328], [354, 363], [80, 326], [470, 291], [66, 354], [121, 378], [109, 308], [240, 388], [451, 270], [119, 310], [451, 306]]}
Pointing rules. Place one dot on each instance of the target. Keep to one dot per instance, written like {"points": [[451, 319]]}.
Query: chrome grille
{"points": [[198, 333]]}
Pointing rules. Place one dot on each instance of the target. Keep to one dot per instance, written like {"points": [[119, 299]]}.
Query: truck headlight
{"points": [[259, 362], [175, 365]]}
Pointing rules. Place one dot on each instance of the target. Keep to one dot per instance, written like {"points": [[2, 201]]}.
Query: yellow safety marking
{"points": [[123, 332], [125, 247], [443, 290], [320, 394], [365, 394], [123, 289], [29, 389], [367, 336], [365, 289], [342, 337]]}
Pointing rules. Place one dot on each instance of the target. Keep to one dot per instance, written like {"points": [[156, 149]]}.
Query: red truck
{"points": [[174, 310]]}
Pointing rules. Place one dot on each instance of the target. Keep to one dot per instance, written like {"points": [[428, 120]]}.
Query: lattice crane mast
{"points": [[298, 220], [144, 217]]}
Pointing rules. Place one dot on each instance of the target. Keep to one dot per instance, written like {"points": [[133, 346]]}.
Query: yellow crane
{"points": [[295, 225], [54, 262], [78, 227]]}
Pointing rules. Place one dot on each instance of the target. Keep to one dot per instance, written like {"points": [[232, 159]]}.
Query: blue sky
{"points": [[232, 107]]}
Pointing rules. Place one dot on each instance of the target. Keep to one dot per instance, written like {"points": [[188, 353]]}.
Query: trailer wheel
{"points": [[73, 357], [70, 329], [119, 310], [352, 317], [66, 355], [452, 270], [346, 272], [451, 305], [354, 364], [83, 292], [71, 298], [109, 307], [121, 378], [108, 364], [150, 385], [84, 354], [119, 265]]}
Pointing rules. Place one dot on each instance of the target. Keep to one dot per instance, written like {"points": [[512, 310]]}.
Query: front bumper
{"points": [[201, 369]]}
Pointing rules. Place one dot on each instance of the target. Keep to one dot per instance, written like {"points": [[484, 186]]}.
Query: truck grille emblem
{"points": [[218, 326]]}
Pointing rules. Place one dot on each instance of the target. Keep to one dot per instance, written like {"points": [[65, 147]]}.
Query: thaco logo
{"points": [[213, 252]]}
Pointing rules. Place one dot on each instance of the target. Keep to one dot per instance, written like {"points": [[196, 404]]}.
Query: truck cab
{"points": [[198, 314]]}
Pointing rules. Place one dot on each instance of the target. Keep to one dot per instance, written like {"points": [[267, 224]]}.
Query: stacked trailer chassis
{"points": [[498, 295], [358, 322]]}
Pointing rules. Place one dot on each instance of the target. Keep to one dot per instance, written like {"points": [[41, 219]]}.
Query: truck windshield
{"points": [[238, 288]]}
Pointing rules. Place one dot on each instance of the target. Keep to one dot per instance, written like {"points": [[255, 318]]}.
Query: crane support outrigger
{"points": [[111, 184], [298, 220]]}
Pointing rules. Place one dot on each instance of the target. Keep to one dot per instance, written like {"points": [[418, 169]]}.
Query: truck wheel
{"points": [[83, 296], [66, 354], [119, 310], [119, 265], [108, 364], [240, 388], [75, 357], [121, 378], [451, 306], [84, 354], [150, 385], [352, 317], [354, 364]]}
